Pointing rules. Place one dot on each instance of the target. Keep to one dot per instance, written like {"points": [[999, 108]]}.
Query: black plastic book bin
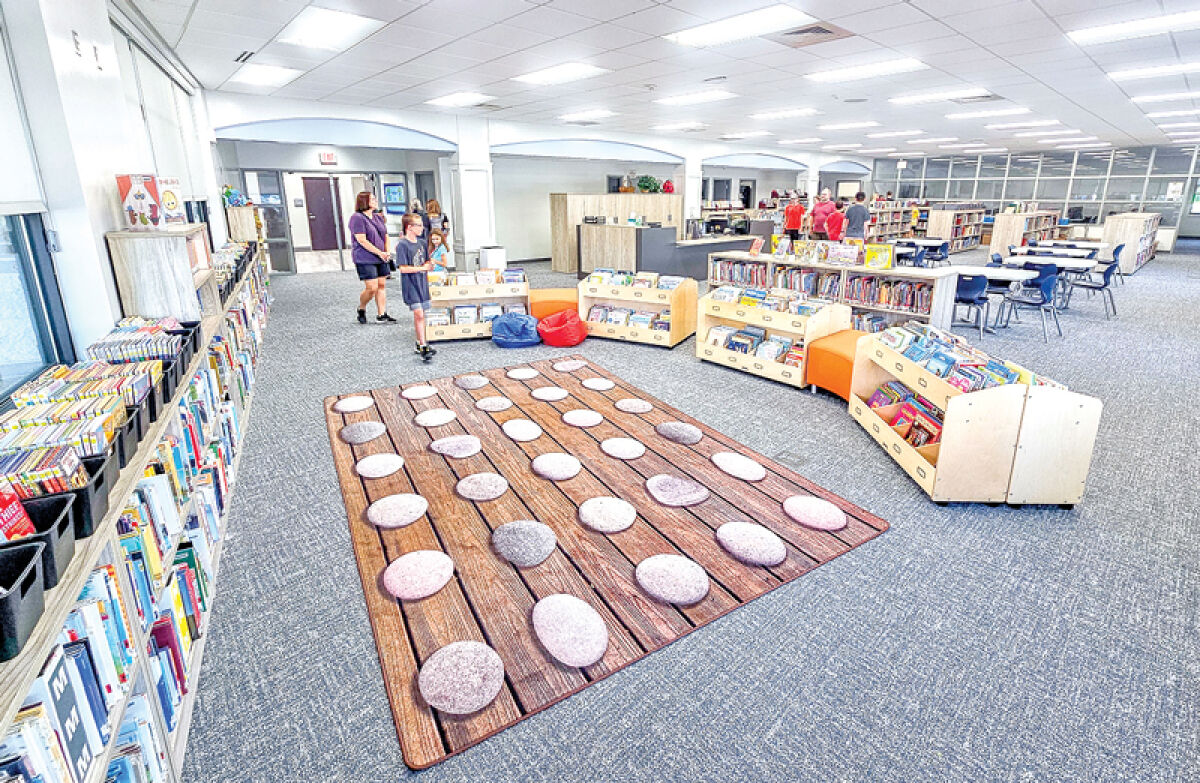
{"points": [[22, 597], [55, 527], [91, 501], [153, 402], [140, 418], [194, 328], [126, 440]]}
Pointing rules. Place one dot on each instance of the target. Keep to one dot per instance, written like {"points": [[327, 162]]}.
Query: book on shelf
{"points": [[466, 314], [951, 357], [752, 297], [489, 311], [437, 316], [783, 246], [670, 282], [645, 280], [516, 307], [14, 521], [794, 356], [879, 256], [43, 471], [601, 276], [751, 273], [513, 274], [641, 319], [756, 246], [719, 335], [598, 313], [141, 752], [773, 348], [619, 316]]}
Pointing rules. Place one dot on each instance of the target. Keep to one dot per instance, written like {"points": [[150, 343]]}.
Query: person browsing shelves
{"points": [[413, 264], [857, 217], [369, 251], [793, 218], [836, 222], [821, 210]]}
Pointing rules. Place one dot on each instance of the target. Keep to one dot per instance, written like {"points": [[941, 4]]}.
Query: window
{"points": [[1018, 190], [961, 190], [1023, 166], [963, 167], [1173, 160], [993, 165], [1057, 164], [989, 189], [885, 173], [614, 184], [935, 189], [937, 168], [1123, 192], [1052, 189], [1087, 188], [1093, 163], [913, 170], [31, 335], [1134, 161]]}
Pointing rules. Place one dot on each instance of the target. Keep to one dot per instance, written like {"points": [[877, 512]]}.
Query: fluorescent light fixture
{"points": [[841, 146], [849, 125], [1158, 70], [1182, 133], [1026, 124], [783, 114], [1136, 28], [767, 20], [460, 99], [561, 74], [1166, 96], [1089, 146], [1028, 134], [894, 134], [959, 146], [885, 68], [876, 151], [264, 75], [1166, 125], [746, 134], [585, 116], [941, 95], [680, 126], [986, 150], [1154, 115], [972, 115], [809, 140], [932, 140], [913, 154], [323, 28], [1071, 140], [692, 98]]}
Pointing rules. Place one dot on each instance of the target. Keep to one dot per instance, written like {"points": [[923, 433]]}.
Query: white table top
{"points": [[1005, 273], [902, 250], [1083, 244], [919, 241], [1064, 252], [1069, 264]]}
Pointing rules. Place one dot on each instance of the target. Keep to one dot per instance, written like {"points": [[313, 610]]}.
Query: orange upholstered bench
{"points": [[548, 301], [830, 362]]}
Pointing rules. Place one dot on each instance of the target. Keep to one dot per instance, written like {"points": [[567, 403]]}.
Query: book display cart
{"points": [[800, 329], [165, 272], [450, 295], [962, 228], [1017, 228], [679, 301], [1135, 230], [237, 328], [1016, 443], [867, 291], [889, 220]]}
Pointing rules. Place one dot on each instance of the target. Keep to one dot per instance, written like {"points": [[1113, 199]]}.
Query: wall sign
{"points": [[327, 158]]}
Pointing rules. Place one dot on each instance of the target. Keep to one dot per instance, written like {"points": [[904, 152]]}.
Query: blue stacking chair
{"points": [[1116, 260], [919, 257], [972, 293], [1040, 298], [1033, 243], [1103, 286]]}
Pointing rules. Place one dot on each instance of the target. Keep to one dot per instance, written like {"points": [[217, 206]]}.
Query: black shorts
{"points": [[793, 233], [372, 271]]}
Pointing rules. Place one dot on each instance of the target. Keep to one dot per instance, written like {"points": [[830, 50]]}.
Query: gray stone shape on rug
{"points": [[418, 575], [493, 404], [676, 490], [582, 417], [815, 512], [521, 430], [524, 543], [680, 432], [435, 417], [570, 365], [549, 393], [482, 486], [461, 678], [739, 466], [362, 431], [399, 510], [673, 579], [633, 405], [570, 629], [379, 465], [751, 543], [359, 402], [457, 446], [556, 466], [522, 373], [470, 382], [598, 384], [418, 392], [607, 514], [623, 448]]}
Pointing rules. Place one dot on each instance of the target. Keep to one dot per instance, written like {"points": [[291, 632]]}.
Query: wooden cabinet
{"points": [[450, 295], [567, 210], [680, 301], [167, 272], [1135, 230], [1017, 228], [962, 228]]}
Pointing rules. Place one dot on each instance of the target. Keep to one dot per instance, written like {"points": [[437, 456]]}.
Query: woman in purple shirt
{"points": [[370, 254]]}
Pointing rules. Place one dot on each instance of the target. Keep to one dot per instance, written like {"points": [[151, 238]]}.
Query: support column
{"points": [[693, 185], [473, 191]]}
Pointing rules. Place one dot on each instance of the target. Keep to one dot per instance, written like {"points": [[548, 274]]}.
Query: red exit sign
{"points": [[327, 158]]}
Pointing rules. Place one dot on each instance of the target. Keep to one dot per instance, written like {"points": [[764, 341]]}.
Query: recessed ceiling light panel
{"points": [[873, 70], [587, 116], [809, 140], [680, 126], [971, 115], [460, 99], [264, 75], [1136, 28], [690, 99], [849, 125], [894, 134], [1166, 96], [939, 95], [1158, 70], [561, 74], [767, 20], [746, 135], [1175, 113], [783, 114], [1027, 124], [324, 28]]}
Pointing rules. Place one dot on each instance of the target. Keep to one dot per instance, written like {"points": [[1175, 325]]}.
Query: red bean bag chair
{"points": [[562, 329]]}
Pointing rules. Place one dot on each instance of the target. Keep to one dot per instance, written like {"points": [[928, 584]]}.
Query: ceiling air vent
{"points": [[243, 57], [808, 35]]}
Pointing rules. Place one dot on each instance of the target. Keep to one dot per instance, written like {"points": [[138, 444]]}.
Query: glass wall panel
{"points": [[935, 189], [964, 167], [1052, 189], [26, 346], [1092, 163], [1023, 165], [1131, 161], [961, 190], [993, 166], [885, 170], [1083, 213], [989, 189], [937, 168], [1173, 160], [1057, 164], [1018, 190], [1087, 189], [908, 190], [1126, 190], [914, 169]]}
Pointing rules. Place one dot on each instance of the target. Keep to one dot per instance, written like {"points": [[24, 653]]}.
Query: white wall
{"points": [[765, 180], [20, 190], [523, 186]]}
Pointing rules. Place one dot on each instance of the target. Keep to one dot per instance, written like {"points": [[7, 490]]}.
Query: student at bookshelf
{"points": [[836, 222], [413, 264], [821, 210], [369, 251], [857, 217], [793, 218], [439, 255]]}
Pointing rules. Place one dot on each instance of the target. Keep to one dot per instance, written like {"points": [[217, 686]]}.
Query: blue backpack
{"points": [[513, 330]]}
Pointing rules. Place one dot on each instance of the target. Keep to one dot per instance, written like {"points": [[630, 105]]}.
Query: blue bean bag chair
{"points": [[513, 330]]}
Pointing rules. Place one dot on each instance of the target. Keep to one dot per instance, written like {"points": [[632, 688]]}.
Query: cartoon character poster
{"points": [[170, 194], [139, 201]]}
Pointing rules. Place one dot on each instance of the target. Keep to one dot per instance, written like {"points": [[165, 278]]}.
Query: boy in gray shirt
{"points": [[857, 217]]}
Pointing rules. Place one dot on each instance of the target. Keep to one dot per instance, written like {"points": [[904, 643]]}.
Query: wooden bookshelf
{"points": [[681, 301], [921, 229], [889, 220], [801, 329], [962, 228], [103, 547], [165, 272], [1136, 230], [450, 295], [1015, 443], [942, 282], [1017, 228]]}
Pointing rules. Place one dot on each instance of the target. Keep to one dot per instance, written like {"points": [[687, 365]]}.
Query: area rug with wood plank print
{"points": [[526, 531]]}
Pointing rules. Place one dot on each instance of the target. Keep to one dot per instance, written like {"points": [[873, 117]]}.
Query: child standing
{"points": [[413, 265], [438, 253]]}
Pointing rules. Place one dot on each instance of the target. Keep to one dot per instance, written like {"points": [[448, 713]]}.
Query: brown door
{"points": [[322, 212]]}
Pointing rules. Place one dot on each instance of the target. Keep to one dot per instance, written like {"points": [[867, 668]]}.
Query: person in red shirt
{"points": [[835, 223], [820, 211], [793, 218]]}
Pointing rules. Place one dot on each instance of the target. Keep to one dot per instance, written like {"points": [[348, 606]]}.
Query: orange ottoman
{"points": [[830, 362], [548, 301]]}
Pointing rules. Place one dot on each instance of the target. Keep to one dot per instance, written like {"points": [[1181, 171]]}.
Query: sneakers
{"points": [[385, 319], [426, 351], [362, 316]]}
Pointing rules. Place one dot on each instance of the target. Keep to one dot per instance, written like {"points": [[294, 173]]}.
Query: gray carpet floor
{"points": [[966, 643]]}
